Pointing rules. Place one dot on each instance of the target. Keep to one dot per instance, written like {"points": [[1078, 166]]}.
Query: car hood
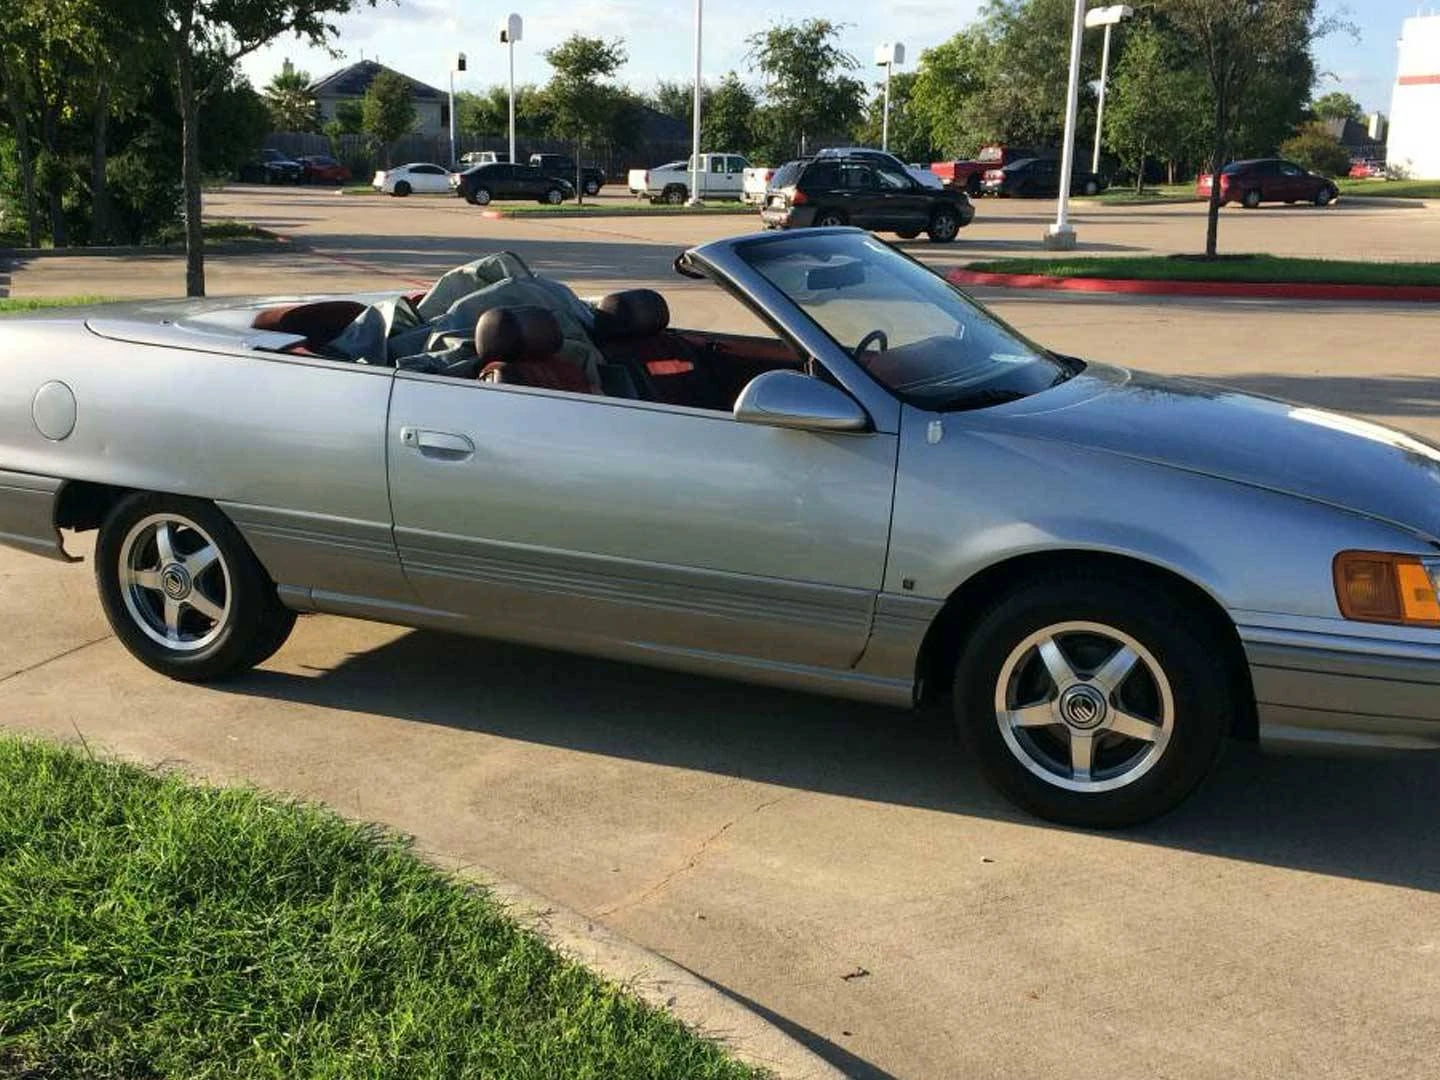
{"points": [[1262, 442]]}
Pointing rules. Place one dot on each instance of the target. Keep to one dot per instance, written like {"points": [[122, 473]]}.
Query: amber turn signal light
{"points": [[1375, 586]]}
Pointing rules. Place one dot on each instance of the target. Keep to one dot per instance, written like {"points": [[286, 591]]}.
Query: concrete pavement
{"points": [[840, 867]]}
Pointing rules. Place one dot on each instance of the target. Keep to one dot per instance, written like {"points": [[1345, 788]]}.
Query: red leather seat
{"points": [[319, 321], [632, 329], [520, 346]]}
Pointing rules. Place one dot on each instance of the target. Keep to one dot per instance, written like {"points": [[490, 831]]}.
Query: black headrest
{"points": [[517, 334], [632, 313]]}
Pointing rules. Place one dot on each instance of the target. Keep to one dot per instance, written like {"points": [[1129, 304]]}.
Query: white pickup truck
{"points": [[721, 177]]}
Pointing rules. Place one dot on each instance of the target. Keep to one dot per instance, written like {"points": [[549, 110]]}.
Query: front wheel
{"points": [[1092, 187], [908, 234], [825, 219], [1325, 196], [554, 196], [592, 187], [182, 590], [1093, 703], [944, 224]]}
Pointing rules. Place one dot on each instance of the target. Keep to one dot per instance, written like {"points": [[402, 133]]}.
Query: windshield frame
{"points": [[1065, 367]]}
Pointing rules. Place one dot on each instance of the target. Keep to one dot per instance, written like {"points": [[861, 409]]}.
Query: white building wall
{"points": [[1414, 144]]}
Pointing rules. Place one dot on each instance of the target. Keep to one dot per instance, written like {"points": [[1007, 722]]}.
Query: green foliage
{"points": [[808, 93], [292, 106], [349, 117], [151, 928], [1337, 105], [1155, 107], [727, 122], [677, 99], [945, 99], [1317, 150], [389, 109], [909, 131], [582, 101], [488, 112]]}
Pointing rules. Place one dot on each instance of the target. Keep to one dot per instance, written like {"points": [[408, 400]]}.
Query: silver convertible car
{"points": [[891, 496]]}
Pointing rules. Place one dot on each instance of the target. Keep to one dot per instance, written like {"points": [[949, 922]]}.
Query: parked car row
{"points": [[274, 167]]}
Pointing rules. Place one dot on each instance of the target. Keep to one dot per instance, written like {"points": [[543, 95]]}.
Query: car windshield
{"points": [[922, 338]]}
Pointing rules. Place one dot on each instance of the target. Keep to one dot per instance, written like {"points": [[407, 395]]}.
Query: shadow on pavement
{"points": [[1371, 818]]}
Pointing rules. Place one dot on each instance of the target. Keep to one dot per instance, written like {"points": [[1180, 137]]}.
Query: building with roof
{"points": [[432, 106], [1414, 143]]}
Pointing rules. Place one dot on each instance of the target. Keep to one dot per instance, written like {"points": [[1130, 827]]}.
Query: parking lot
{"points": [[841, 868]]}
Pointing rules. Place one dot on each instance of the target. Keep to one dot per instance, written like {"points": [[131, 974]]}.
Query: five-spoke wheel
{"points": [[174, 583]]}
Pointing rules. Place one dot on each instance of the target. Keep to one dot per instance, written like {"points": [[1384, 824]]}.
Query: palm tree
{"points": [[291, 106]]}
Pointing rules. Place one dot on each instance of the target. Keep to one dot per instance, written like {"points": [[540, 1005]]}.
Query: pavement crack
{"points": [[51, 659], [692, 860]]}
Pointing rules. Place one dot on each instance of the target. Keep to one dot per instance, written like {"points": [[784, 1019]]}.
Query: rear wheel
{"points": [[182, 590], [908, 234], [1092, 187], [1093, 703], [675, 195], [1251, 199], [481, 196], [944, 224], [825, 219], [402, 188]]}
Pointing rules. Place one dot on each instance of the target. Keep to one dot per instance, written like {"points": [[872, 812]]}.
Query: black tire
{"points": [[553, 196], [825, 219], [972, 185], [908, 234], [592, 187], [1092, 187], [481, 196], [1325, 196], [944, 225], [402, 188], [1163, 770], [1251, 199], [252, 622], [675, 195]]}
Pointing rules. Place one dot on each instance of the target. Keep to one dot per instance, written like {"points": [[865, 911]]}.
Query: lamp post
{"points": [[458, 65], [694, 199], [1061, 235], [511, 31], [887, 56], [1106, 17]]}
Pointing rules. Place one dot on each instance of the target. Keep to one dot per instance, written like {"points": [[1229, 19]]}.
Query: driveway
{"points": [[842, 867]]}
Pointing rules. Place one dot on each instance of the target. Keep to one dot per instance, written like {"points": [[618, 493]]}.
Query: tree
{"points": [[944, 99], [1155, 102], [1317, 150], [1239, 42], [388, 110], [579, 95], [807, 90], [228, 30], [677, 99], [1337, 105], [727, 122], [292, 106]]}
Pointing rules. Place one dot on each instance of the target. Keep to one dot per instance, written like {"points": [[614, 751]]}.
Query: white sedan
{"points": [[418, 177]]}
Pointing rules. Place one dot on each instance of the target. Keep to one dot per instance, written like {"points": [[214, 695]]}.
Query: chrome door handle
{"points": [[441, 445]]}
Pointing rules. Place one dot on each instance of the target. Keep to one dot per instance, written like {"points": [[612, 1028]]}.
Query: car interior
{"points": [[496, 322]]}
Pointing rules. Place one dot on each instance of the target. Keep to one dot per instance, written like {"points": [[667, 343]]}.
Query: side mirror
{"points": [[791, 400]]}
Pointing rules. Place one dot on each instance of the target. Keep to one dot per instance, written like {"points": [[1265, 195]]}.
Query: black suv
{"points": [[872, 195], [592, 177], [272, 167], [496, 180]]}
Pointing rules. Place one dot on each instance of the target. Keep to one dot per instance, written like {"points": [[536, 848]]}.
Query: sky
{"points": [[419, 38]]}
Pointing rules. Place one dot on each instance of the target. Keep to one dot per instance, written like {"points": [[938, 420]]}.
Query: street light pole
{"points": [[887, 56], [885, 121], [511, 31], [1106, 17], [453, 157], [1061, 235], [694, 199]]}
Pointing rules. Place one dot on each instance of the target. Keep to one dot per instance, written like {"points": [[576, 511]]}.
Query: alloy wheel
{"points": [[1084, 707], [174, 582]]}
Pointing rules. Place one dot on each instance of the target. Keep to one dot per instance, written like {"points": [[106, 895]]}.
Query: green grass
{"points": [[151, 928], [226, 231], [1123, 196], [1249, 268], [10, 304], [1391, 189]]}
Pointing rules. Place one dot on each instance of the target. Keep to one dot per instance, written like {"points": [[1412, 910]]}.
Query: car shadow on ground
{"points": [[1365, 817], [1381, 395]]}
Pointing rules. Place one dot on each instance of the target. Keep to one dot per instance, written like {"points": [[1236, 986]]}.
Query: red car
{"points": [[1365, 170], [323, 169], [1269, 180]]}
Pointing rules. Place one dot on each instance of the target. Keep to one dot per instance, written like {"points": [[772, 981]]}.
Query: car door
{"points": [[860, 195], [597, 522], [1295, 182], [430, 179], [906, 205], [1045, 177]]}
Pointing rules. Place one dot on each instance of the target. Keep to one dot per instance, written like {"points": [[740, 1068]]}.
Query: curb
{"points": [[1248, 290], [270, 243], [699, 1005]]}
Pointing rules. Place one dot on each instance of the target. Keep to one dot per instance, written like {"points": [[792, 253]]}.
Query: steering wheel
{"points": [[871, 338]]}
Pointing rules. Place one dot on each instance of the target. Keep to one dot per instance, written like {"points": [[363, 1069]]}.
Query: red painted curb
{"points": [[1254, 290]]}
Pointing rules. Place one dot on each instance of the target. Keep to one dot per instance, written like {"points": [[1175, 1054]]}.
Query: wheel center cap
{"points": [[175, 581], [1083, 707]]}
